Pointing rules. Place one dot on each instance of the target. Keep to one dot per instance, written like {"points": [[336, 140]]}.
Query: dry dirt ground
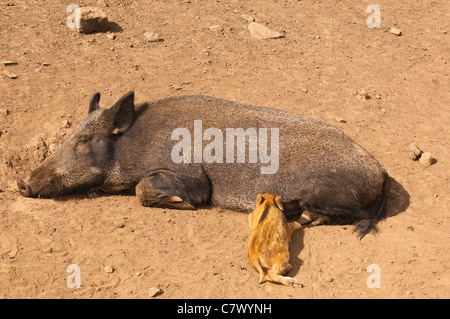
{"points": [[384, 91]]}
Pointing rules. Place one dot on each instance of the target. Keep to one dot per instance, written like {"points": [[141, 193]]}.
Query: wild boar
{"points": [[147, 146], [268, 247]]}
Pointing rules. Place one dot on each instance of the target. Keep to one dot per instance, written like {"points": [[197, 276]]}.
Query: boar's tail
{"points": [[363, 227]]}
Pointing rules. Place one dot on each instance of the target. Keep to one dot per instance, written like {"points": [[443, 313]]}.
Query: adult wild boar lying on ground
{"points": [[317, 165]]}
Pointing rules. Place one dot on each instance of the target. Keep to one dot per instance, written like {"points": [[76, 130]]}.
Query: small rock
{"points": [[247, 18], [111, 36], [261, 32], [216, 28], [396, 31], [341, 120], [108, 269], [427, 159], [119, 224], [9, 63], [363, 95], [152, 36], [92, 20], [383, 110], [411, 228], [414, 151], [46, 64], [154, 292], [10, 75], [4, 112], [65, 123]]}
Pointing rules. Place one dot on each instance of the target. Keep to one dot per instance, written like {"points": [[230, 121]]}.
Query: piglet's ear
{"points": [[259, 199], [121, 114], [94, 103], [278, 203]]}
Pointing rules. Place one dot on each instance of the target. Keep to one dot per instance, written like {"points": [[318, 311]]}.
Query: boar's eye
{"points": [[83, 140]]}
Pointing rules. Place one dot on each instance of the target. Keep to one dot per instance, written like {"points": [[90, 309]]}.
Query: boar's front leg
{"points": [[167, 189]]}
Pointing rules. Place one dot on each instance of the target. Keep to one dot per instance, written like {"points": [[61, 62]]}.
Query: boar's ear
{"points": [[94, 103], [122, 113], [278, 203]]}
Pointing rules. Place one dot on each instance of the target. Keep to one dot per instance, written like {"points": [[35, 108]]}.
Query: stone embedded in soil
{"points": [[261, 32], [427, 159], [215, 28], [92, 20]]}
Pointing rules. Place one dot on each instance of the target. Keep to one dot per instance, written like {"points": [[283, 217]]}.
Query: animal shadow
{"points": [[398, 198], [295, 247]]}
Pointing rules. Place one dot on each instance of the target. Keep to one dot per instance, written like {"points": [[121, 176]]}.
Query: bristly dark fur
{"points": [[363, 227]]}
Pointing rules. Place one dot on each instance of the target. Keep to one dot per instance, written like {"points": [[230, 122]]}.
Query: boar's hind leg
{"points": [[165, 189]]}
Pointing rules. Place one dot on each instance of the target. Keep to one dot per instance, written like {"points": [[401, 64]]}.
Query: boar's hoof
{"points": [[150, 199]]}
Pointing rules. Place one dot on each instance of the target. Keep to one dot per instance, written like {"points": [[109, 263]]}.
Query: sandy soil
{"points": [[327, 66]]}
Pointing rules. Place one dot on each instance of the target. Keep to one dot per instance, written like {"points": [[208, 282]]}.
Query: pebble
{"points": [[247, 18], [341, 120], [363, 95], [10, 75], [9, 63], [396, 31], [108, 269], [119, 224], [152, 36], [261, 32], [4, 112], [65, 123], [216, 28], [427, 159], [154, 292], [111, 36], [414, 151]]}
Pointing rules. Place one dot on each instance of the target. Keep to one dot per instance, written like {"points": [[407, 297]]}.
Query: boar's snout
{"points": [[24, 188]]}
